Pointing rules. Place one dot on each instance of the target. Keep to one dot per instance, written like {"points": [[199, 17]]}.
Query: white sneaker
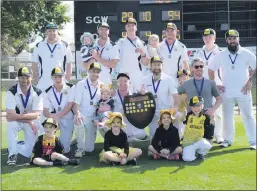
{"points": [[79, 153], [253, 146], [219, 140], [225, 144], [12, 160]]}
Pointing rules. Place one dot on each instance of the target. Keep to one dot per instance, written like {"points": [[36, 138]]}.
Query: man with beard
{"points": [[123, 82], [86, 97], [236, 87], [48, 54], [163, 88], [105, 53], [200, 86], [23, 105], [132, 54], [173, 53], [207, 54]]}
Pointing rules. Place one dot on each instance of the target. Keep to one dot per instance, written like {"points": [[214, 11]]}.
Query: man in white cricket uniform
{"points": [[23, 105], [60, 96], [50, 53], [163, 88], [207, 54], [133, 53], [86, 97], [105, 53], [173, 53], [236, 87], [123, 81]]}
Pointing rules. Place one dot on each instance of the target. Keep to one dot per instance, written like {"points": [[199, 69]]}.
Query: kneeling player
{"points": [[199, 129], [166, 142], [48, 148], [116, 147]]}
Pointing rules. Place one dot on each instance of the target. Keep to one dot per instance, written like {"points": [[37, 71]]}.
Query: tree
{"points": [[22, 21]]}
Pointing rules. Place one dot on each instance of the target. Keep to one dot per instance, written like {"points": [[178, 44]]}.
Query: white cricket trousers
{"points": [[30, 138], [201, 147], [246, 108], [218, 119], [66, 130], [86, 138]]}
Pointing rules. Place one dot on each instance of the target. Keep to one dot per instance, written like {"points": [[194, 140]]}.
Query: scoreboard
{"points": [[151, 16]]}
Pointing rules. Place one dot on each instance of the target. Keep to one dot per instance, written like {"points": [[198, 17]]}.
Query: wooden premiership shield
{"points": [[139, 109]]}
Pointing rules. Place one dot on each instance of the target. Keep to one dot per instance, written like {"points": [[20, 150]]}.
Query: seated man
{"points": [[23, 105], [123, 82]]}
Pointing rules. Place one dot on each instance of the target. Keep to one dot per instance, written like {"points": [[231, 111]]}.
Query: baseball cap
{"points": [[50, 121], [170, 26], [231, 33], [51, 26], [209, 31], [196, 100], [156, 59], [95, 65], [57, 71], [25, 71], [103, 24], [123, 75], [131, 20]]}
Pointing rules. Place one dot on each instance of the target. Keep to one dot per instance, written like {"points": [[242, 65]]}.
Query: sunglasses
{"points": [[199, 66]]}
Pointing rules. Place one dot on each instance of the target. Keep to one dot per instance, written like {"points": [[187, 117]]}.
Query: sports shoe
{"points": [[73, 161], [133, 162], [225, 144], [12, 160], [79, 153], [201, 157], [59, 163], [219, 140], [253, 146]]}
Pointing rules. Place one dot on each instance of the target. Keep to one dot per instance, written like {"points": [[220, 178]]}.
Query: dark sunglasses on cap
{"points": [[199, 66]]}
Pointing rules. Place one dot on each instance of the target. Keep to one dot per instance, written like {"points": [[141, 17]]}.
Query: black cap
{"points": [[156, 59], [50, 121], [131, 20], [196, 100], [103, 24], [57, 71], [170, 26], [25, 71], [95, 65], [51, 26], [231, 33], [209, 31], [185, 72], [123, 75]]}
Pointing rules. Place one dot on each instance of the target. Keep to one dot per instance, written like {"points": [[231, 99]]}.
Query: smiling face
{"points": [[51, 34], [171, 34], [232, 43], [58, 79], [123, 83], [94, 74], [209, 39], [116, 125], [197, 68], [105, 95], [131, 28], [24, 81], [156, 68], [197, 109], [103, 32], [166, 119]]}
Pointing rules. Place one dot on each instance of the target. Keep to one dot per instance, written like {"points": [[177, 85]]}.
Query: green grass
{"points": [[224, 169], [3, 101]]}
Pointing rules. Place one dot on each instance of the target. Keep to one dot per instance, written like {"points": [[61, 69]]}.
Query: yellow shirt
{"points": [[194, 129]]}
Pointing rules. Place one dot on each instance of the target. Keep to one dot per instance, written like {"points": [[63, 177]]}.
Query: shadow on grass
{"points": [[145, 163]]}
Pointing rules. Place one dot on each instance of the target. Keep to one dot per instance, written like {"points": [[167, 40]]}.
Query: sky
{"points": [[68, 31]]}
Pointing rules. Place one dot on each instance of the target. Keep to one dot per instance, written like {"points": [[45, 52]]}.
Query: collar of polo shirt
{"points": [[175, 44], [90, 82], [238, 52], [58, 41]]}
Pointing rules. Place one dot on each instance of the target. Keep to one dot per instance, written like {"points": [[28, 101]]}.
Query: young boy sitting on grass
{"points": [[116, 147], [166, 141], [48, 148], [199, 129]]}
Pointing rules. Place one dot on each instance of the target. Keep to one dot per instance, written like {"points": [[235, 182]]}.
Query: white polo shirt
{"points": [[234, 79], [107, 52], [173, 61], [164, 93], [207, 57], [129, 62], [68, 94], [82, 96], [42, 55], [14, 100]]}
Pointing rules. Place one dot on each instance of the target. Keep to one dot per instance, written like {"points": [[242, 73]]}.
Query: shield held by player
{"points": [[139, 109]]}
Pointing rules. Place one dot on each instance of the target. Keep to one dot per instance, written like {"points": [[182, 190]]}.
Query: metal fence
{"points": [[6, 84]]}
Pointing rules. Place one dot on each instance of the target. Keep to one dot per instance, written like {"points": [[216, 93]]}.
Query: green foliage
{"points": [[22, 21]]}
